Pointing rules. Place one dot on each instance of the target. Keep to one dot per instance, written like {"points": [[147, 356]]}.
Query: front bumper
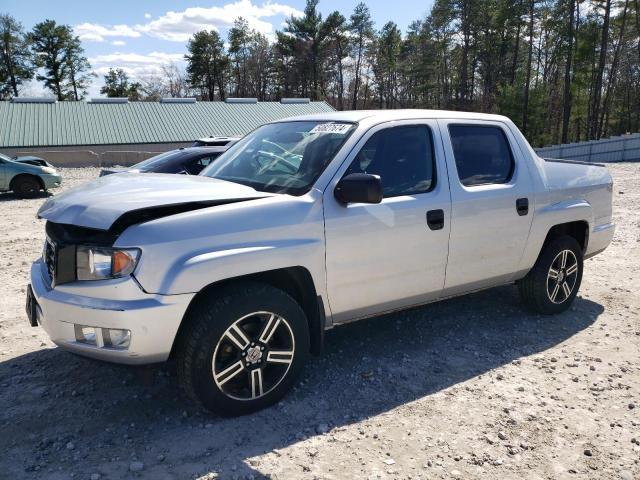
{"points": [[120, 304], [51, 180]]}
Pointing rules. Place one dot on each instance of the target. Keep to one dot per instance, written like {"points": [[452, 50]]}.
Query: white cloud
{"points": [[180, 26], [93, 32], [118, 43], [135, 64]]}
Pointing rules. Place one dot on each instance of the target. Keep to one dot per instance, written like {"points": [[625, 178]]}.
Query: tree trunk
{"points": [[340, 76], [566, 111], [464, 63], [597, 88], [525, 109], [356, 79], [613, 72], [514, 65]]}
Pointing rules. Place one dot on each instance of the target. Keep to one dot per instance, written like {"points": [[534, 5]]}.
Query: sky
{"points": [[140, 36]]}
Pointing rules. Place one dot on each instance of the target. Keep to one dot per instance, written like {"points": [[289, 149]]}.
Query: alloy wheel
{"points": [[253, 356], [562, 276]]}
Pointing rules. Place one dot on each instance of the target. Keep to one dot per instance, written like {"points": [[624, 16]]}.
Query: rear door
{"points": [[491, 192], [384, 256]]}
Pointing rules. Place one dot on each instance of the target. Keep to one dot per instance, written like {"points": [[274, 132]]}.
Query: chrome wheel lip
{"points": [[253, 372], [562, 277]]}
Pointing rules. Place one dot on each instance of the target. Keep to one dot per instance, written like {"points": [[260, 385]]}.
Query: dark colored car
{"points": [[186, 161]]}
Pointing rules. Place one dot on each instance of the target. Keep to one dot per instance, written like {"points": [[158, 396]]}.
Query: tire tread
{"points": [[200, 318], [532, 287]]}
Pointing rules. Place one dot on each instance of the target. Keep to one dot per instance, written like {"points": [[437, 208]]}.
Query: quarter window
{"points": [[482, 154], [402, 157]]}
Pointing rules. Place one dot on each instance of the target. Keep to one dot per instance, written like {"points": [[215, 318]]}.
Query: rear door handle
{"points": [[435, 219], [522, 206]]}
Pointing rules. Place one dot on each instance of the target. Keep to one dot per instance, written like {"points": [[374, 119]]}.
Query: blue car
{"points": [[27, 176]]}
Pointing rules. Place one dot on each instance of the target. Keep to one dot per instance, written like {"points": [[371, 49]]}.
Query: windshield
{"points": [[153, 162], [283, 157]]}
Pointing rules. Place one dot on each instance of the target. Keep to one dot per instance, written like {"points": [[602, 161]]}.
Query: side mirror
{"points": [[359, 188]]}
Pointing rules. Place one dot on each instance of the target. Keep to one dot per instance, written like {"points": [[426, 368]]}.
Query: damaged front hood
{"points": [[117, 201]]}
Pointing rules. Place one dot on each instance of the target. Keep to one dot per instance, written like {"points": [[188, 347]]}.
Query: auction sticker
{"points": [[339, 128]]}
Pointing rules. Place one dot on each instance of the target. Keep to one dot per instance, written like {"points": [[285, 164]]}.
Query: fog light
{"points": [[116, 338], [85, 334]]}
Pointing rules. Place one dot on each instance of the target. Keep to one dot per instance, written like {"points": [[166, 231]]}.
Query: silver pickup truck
{"points": [[303, 225]]}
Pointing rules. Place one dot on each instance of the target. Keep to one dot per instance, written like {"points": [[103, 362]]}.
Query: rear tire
{"points": [[242, 349], [25, 186], [553, 282]]}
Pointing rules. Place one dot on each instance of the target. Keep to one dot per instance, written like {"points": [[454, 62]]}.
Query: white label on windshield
{"points": [[339, 128]]}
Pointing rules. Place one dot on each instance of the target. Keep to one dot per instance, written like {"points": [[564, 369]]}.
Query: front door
{"points": [[491, 192], [381, 257], [4, 182]]}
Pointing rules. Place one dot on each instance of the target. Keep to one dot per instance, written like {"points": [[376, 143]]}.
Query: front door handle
{"points": [[522, 206], [435, 219]]}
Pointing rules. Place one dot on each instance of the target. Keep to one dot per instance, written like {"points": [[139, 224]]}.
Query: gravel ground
{"points": [[473, 387]]}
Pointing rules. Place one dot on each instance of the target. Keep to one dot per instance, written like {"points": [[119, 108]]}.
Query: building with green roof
{"points": [[42, 126]]}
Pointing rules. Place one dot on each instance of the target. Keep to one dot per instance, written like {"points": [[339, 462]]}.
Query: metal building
{"points": [[77, 133]]}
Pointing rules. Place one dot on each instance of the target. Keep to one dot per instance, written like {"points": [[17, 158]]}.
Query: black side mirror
{"points": [[359, 188]]}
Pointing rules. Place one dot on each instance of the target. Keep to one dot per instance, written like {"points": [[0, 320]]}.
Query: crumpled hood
{"points": [[100, 203], [34, 161]]}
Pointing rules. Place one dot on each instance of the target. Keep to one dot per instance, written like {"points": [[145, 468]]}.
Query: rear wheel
{"points": [[552, 284], [25, 186], [242, 349]]}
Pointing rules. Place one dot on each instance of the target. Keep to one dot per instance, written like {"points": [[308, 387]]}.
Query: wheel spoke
{"points": [[228, 373], [269, 329], [554, 294], [563, 261], [553, 273], [237, 336], [256, 383], [280, 356], [572, 269], [566, 289]]}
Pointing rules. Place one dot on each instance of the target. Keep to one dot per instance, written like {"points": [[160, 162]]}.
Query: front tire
{"points": [[242, 349], [25, 186], [553, 282]]}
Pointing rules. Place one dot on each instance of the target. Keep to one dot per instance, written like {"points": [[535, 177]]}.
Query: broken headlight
{"points": [[100, 263]]}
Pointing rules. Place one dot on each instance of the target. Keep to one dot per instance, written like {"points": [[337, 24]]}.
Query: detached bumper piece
{"points": [[33, 309]]}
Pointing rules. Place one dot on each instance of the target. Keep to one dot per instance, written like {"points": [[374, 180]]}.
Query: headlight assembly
{"points": [[100, 263], [49, 170]]}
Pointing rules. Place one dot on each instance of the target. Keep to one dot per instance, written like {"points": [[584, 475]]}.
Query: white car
{"points": [[303, 225]]}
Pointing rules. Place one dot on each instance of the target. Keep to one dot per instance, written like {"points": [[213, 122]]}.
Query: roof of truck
{"points": [[390, 115]]}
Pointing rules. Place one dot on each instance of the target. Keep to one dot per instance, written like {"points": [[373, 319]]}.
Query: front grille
{"points": [[49, 256]]}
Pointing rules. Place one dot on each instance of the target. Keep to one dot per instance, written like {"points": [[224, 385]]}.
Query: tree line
{"points": [[563, 70], [50, 53]]}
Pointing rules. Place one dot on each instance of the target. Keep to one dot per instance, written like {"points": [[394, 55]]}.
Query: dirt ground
{"points": [[473, 387]]}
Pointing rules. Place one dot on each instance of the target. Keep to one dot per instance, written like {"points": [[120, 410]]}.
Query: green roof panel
{"points": [[81, 123]]}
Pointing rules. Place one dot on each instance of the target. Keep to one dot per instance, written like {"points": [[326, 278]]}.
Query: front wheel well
{"points": [[295, 281], [578, 230], [23, 175]]}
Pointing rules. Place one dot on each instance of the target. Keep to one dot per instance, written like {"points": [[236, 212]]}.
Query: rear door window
{"points": [[482, 154], [196, 165]]}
